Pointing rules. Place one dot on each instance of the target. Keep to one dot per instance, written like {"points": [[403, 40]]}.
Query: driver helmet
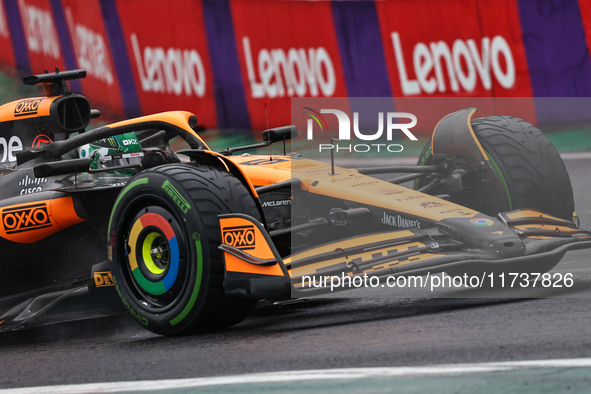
{"points": [[119, 150]]}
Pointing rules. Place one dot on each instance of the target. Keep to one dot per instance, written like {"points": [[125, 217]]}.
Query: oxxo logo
{"points": [[242, 237], [435, 62], [25, 218], [392, 123], [26, 107]]}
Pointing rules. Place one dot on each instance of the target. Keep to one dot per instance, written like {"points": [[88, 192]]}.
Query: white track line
{"points": [[575, 155], [309, 375]]}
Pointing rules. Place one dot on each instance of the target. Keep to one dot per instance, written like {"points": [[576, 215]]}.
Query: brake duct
{"points": [[454, 138]]}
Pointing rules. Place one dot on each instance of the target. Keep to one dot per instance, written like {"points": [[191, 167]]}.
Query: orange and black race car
{"points": [[193, 244]]}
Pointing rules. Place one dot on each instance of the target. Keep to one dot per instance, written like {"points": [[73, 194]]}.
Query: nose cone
{"points": [[484, 232]]}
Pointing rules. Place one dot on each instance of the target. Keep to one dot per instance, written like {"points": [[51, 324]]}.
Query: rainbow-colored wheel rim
{"points": [[154, 257]]}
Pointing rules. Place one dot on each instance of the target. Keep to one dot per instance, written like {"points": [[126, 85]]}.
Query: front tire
{"points": [[163, 238], [527, 164], [525, 161]]}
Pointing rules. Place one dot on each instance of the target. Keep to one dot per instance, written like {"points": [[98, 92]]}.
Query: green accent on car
{"points": [[123, 192], [198, 278], [422, 161], [147, 253], [502, 178], [141, 319], [425, 156], [109, 152], [176, 196], [154, 288]]}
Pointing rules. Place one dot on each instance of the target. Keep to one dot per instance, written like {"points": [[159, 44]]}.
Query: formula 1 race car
{"points": [[193, 244]]}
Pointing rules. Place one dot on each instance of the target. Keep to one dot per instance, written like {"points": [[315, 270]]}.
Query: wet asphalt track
{"points": [[324, 333]]}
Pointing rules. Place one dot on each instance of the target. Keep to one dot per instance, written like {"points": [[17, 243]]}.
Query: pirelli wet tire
{"points": [[529, 167], [163, 246]]}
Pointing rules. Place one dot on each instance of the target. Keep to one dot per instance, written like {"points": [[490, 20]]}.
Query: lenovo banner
{"points": [[6, 51], [285, 49], [41, 35], [475, 50], [92, 52], [237, 63], [168, 54]]}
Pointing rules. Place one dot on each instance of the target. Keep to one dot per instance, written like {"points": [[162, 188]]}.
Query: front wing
{"points": [[255, 269]]}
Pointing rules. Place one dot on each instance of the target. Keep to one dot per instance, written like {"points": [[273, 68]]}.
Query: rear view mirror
{"points": [[283, 133]]}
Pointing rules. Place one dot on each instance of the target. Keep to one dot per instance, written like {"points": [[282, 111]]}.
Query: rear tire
{"points": [[164, 236]]}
